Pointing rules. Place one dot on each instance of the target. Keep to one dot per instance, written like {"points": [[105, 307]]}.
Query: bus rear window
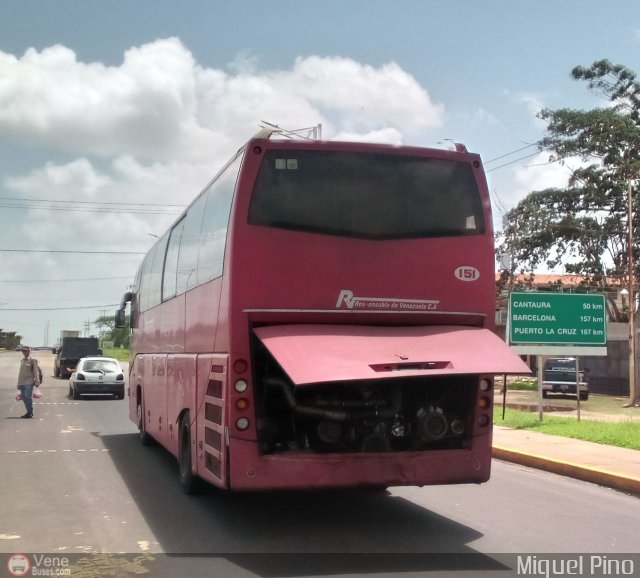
{"points": [[366, 195]]}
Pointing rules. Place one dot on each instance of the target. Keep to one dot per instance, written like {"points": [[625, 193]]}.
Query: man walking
{"points": [[28, 378]]}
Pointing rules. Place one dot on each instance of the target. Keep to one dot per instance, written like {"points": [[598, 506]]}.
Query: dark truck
{"points": [[559, 376], [71, 350]]}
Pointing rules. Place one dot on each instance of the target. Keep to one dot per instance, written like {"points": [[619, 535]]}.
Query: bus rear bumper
{"points": [[300, 470]]}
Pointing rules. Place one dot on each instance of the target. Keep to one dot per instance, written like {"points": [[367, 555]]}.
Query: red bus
{"points": [[321, 316]]}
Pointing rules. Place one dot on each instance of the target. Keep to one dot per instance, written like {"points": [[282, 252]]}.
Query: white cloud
{"points": [[484, 117], [539, 174], [164, 125], [370, 98], [152, 188], [384, 136], [56, 181], [160, 104]]}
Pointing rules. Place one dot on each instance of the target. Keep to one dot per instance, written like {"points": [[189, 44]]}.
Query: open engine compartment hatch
{"points": [[313, 353]]}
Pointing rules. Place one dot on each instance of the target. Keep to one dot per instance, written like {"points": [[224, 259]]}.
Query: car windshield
{"points": [[561, 365], [100, 365]]}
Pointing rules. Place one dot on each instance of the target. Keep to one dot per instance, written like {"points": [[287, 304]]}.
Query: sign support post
{"points": [[540, 406]]}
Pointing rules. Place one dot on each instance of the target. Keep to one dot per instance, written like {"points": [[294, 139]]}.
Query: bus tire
{"points": [[145, 438], [188, 480]]}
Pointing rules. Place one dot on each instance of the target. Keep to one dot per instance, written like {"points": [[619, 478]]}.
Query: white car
{"points": [[100, 375]]}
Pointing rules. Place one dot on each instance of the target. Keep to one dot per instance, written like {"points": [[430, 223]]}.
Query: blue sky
{"points": [[141, 101]]}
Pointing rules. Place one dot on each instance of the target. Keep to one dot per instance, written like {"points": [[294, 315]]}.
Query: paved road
{"points": [[75, 479]]}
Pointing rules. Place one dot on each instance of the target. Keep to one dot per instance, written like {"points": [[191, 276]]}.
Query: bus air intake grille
{"points": [[213, 413], [213, 438], [212, 463], [214, 388]]}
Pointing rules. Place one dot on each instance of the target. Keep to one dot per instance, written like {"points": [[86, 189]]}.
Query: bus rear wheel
{"points": [[188, 480]]}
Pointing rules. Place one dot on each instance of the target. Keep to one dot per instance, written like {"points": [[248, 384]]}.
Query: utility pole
{"points": [[632, 302]]}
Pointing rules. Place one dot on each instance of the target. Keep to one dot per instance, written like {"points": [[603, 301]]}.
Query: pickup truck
{"points": [[71, 351], [559, 376]]}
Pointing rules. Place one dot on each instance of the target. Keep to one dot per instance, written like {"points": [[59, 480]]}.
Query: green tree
{"points": [[584, 226], [108, 331], [9, 339]]}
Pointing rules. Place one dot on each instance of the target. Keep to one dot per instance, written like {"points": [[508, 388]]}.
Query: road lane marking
{"points": [[144, 545]]}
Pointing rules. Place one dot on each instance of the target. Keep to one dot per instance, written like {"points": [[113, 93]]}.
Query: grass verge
{"points": [[624, 434], [523, 385], [119, 354]]}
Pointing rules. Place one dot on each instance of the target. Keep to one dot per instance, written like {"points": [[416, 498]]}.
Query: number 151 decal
{"points": [[467, 273]]}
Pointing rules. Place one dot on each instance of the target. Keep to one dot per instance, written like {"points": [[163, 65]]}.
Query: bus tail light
{"points": [[240, 366], [242, 423], [242, 403], [484, 402], [484, 420], [241, 386]]}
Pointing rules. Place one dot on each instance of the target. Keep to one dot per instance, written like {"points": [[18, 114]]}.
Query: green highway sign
{"points": [[557, 318]]}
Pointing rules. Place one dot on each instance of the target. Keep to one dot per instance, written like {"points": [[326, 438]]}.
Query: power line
{"points": [[512, 162], [508, 154], [90, 202], [90, 206], [61, 308], [75, 252], [93, 210], [62, 280]]}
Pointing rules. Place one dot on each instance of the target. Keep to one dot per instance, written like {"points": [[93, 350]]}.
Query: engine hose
{"points": [[331, 414]]}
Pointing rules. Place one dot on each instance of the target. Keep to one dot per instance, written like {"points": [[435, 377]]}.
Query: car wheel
{"points": [[584, 396], [70, 394], [545, 394], [188, 480], [56, 371], [76, 394]]}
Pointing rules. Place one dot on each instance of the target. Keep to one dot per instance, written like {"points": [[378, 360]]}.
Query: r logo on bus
{"points": [[345, 297]]}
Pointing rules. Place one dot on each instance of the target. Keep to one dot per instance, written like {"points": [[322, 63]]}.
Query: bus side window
{"points": [[170, 277], [145, 280], [215, 222], [188, 254], [155, 278]]}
